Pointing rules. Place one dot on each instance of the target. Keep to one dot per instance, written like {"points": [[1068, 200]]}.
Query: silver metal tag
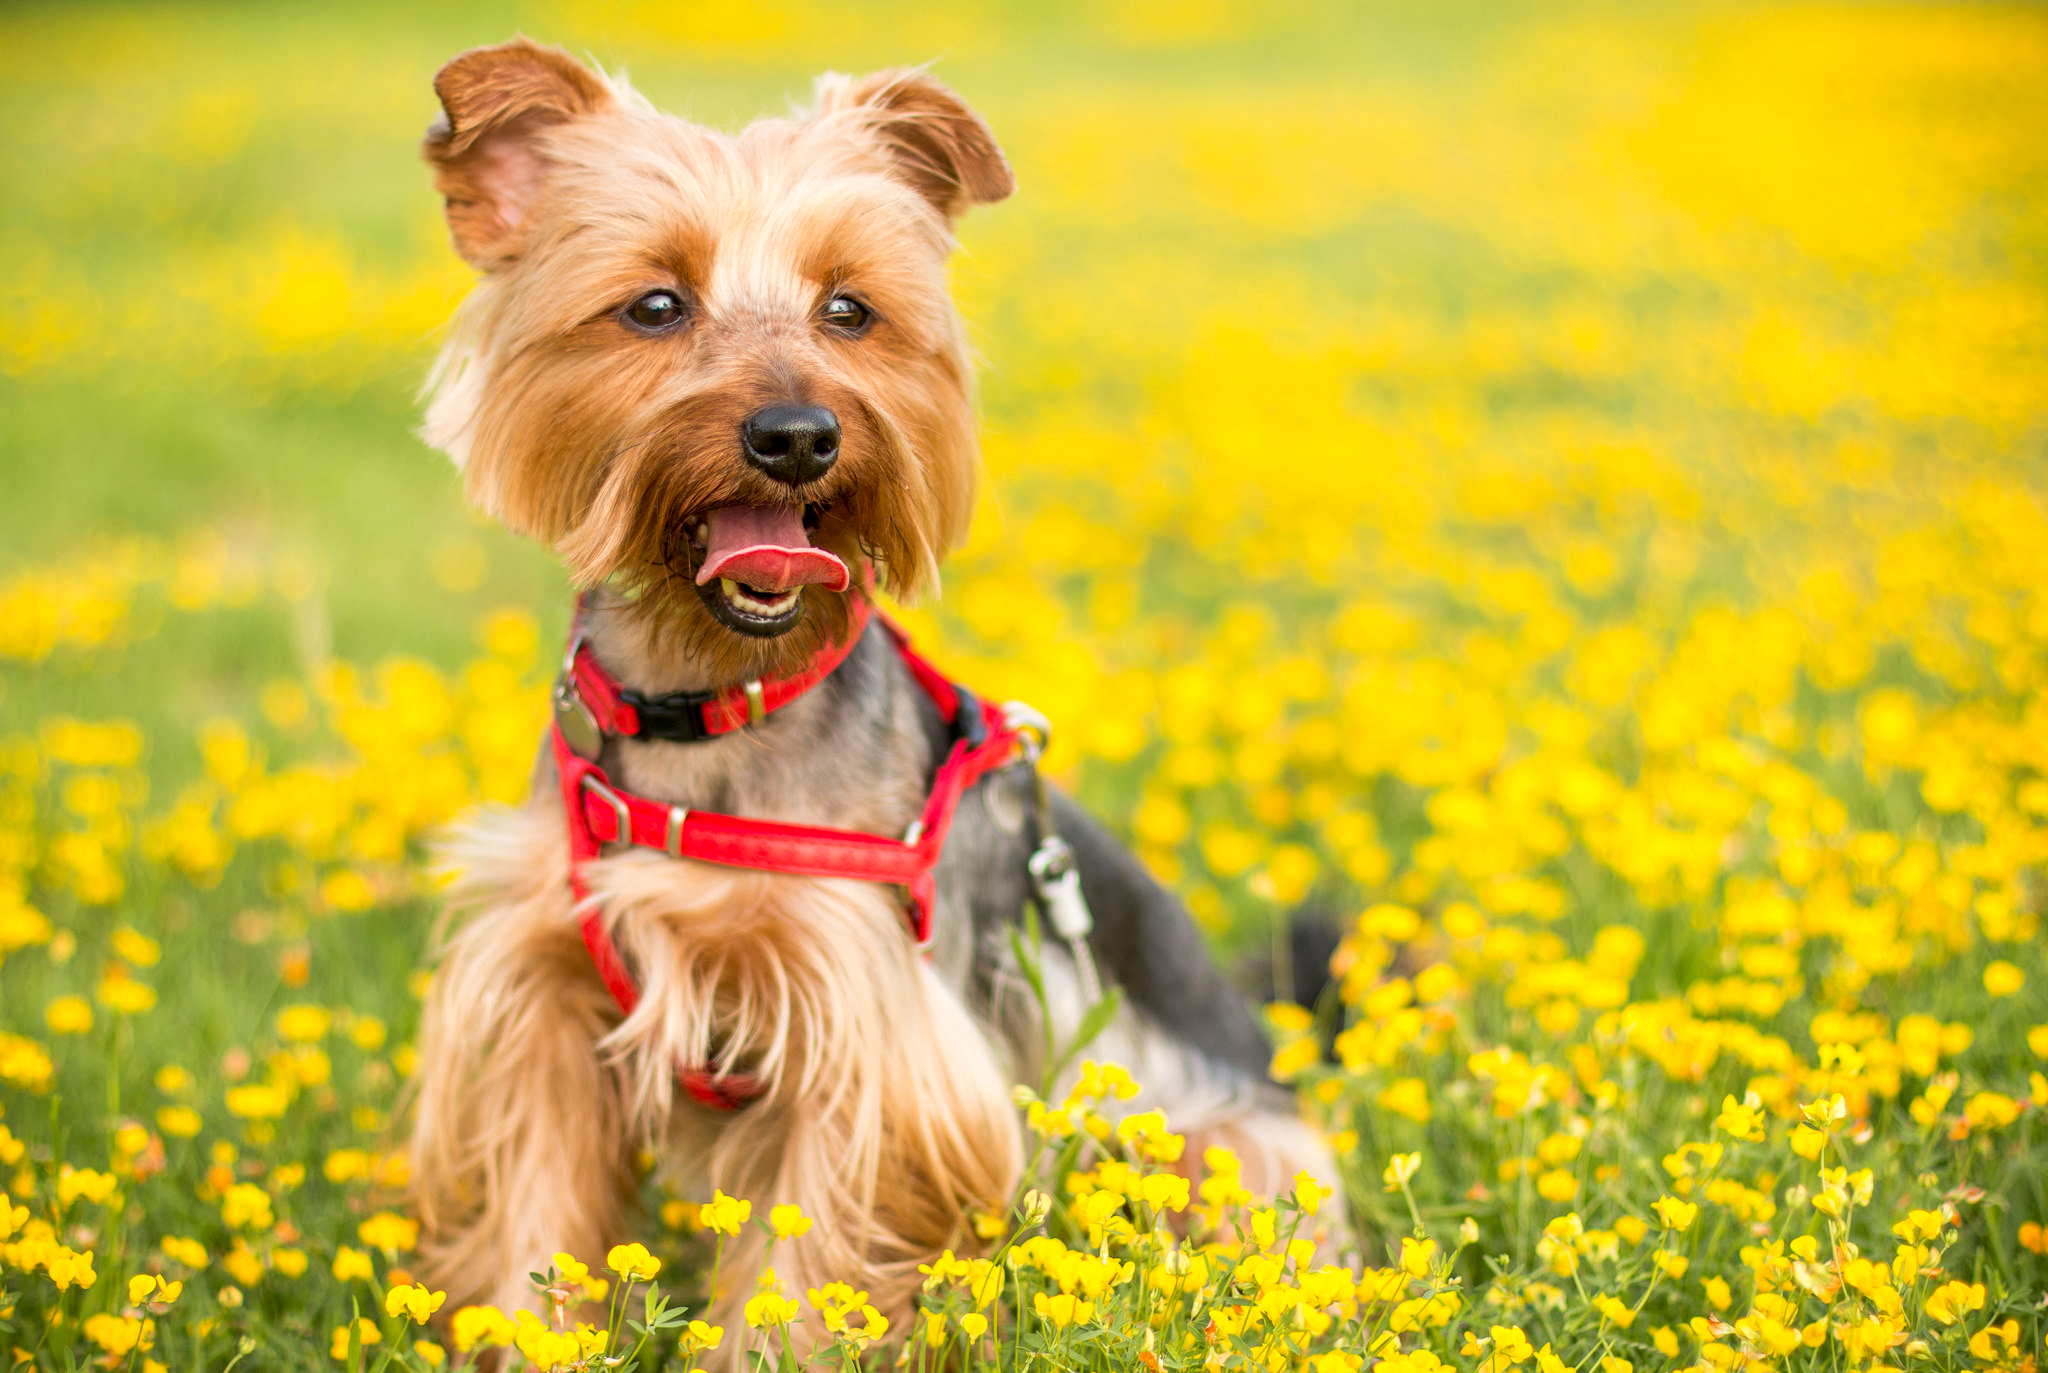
{"points": [[573, 717], [1058, 884]]}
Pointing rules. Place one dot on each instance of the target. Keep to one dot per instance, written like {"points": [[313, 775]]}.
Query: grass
{"points": [[1558, 487]]}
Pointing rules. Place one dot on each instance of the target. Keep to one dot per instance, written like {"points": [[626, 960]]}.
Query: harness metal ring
{"points": [[622, 815]]}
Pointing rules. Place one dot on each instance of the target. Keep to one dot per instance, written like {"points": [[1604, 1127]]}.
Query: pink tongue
{"points": [[765, 547]]}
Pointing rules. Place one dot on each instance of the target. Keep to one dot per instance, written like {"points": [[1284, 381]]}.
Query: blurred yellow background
{"points": [[1372, 392]]}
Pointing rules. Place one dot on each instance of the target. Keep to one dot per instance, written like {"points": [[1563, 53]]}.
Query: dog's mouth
{"points": [[754, 561]]}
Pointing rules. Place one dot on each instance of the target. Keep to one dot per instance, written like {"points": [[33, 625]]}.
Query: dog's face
{"points": [[722, 370]]}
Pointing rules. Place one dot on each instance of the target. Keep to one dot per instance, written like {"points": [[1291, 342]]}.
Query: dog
{"points": [[722, 376]]}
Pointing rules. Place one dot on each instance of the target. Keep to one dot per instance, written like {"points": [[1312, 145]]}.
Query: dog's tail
{"points": [[1294, 968]]}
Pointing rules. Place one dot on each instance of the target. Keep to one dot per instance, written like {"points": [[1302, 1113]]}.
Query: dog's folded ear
{"points": [[494, 101], [939, 145]]}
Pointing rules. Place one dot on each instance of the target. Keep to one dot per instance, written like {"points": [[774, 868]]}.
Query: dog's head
{"points": [[722, 370]]}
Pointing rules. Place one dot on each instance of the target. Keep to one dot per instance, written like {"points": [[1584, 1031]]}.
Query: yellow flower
{"points": [[1632, 1228], [242, 1265], [1919, 1226], [189, 1252], [149, 1289], [414, 1302], [1991, 1345], [2002, 979], [1676, 1214], [366, 1334], [389, 1232], [1145, 1132], [632, 1262], [1991, 1111], [544, 1348], [789, 1221], [1742, 1119], [73, 1183], [724, 1214], [1294, 1058], [474, 1325], [433, 1355], [1557, 1186], [576, 1273], [700, 1335], [257, 1101], [180, 1122], [122, 994], [1615, 1310], [1062, 1309], [247, 1207], [25, 1063], [135, 946], [1952, 1301], [117, 1335], [873, 1326], [1407, 1096], [303, 1024], [352, 1263], [68, 1015], [765, 1309], [288, 1261], [1308, 1193], [1670, 1264], [973, 1325], [69, 1268], [1400, 1168]]}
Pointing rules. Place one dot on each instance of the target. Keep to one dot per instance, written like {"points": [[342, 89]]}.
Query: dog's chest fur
{"points": [[857, 752]]}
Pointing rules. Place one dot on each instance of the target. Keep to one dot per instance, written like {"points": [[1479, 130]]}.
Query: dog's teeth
{"points": [[744, 598]]}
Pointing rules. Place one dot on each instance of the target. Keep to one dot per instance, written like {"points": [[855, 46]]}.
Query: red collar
{"points": [[600, 813], [590, 703]]}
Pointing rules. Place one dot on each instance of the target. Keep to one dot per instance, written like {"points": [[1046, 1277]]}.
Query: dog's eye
{"points": [[844, 312], [656, 310]]}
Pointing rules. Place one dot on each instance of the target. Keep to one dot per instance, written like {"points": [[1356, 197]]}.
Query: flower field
{"points": [[1561, 491]]}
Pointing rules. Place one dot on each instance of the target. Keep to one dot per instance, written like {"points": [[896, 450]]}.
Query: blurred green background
{"points": [[224, 269]]}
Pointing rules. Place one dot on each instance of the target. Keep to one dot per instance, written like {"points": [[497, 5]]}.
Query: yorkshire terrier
{"points": [[757, 918]]}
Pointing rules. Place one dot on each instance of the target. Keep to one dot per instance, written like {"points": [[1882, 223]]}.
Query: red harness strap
{"points": [[600, 813]]}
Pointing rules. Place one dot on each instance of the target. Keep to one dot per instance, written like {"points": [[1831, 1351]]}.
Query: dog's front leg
{"points": [[519, 1147]]}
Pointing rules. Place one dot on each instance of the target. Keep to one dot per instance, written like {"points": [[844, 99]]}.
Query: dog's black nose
{"points": [[792, 443]]}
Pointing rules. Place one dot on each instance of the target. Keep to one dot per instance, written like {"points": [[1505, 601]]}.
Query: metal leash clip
{"points": [[1056, 880], [1020, 717]]}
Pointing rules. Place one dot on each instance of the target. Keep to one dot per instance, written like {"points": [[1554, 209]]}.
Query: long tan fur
{"points": [[529, 1102]]}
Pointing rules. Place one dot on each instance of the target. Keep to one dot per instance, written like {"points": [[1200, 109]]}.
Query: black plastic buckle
{"points": [[676, 718], [968, 721]]}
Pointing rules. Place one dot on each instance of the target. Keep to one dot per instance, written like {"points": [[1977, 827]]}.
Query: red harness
{"points": [[601, 813]]}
